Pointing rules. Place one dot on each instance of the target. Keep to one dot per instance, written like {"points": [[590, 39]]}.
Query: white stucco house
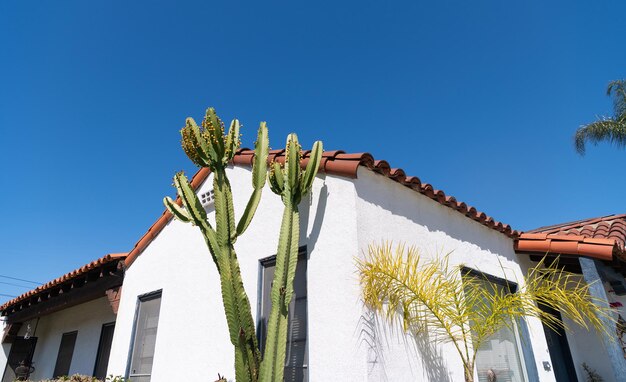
{"points": [[170, 323], [66, 325]]}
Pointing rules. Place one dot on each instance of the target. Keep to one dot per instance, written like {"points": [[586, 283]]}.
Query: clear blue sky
{"points": [[479, 98]]}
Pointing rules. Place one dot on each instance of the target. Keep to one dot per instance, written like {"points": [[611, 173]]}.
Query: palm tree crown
{"points": [[612, 129]]}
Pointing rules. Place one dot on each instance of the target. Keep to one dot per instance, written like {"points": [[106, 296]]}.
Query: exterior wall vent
{"points": [[207, 199]]}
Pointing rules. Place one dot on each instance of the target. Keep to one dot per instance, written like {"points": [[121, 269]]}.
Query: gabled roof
{"points": [[602, 238], [62, 284], [342, 164]]}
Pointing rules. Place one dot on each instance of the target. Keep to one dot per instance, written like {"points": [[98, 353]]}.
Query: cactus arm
{"points": [[259, 175], [261, 150], [292, 167], [248, 213], [224, 209], [215, 128], [195, 211], [194, 144], [232, 139], [312, 166], [236, 303], [190, 202], [276, 178], [292, 184], [272, 367], [176, 210]]}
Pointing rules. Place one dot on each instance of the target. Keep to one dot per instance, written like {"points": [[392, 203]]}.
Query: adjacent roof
{"points": [[342, 164], [602, 238], [44, 290]]}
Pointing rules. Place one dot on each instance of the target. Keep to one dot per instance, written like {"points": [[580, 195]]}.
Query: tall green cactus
{"points": [[292, 184], [210, 147]]}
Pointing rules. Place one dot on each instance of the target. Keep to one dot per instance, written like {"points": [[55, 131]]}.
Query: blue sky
{"points": [[478, 98]]}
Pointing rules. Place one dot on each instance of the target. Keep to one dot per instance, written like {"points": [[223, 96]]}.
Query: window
{"points": [[66, 351], [22, 350], [296, 361], [104, 350], [501, 353], [144, 337]]}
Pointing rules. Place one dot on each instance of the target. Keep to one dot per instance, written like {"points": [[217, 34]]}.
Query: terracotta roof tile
{"points": [[565, 244], [112, 257], [602, 237], [342, 164], [611, 227]]}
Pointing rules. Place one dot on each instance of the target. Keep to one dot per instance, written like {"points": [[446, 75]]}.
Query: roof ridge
{"points": [[577, 223]]}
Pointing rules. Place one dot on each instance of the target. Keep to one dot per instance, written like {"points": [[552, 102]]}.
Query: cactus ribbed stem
{"points": [[292, 184], [209, 147], [236, 303], [272, 368]]}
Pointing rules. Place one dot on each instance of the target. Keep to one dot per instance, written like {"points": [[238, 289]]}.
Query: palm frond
{"points": [[612, 129], [617, 90], [606, 129], [425, 294], [550, 285], [466, 307]]}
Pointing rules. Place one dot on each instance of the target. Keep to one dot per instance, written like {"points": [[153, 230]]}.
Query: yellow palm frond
{"points": [[466, 308]]}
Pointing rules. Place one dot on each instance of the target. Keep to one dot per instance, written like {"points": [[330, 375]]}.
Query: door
{"points": [[562, 362], [104, 350], [22, 350]]}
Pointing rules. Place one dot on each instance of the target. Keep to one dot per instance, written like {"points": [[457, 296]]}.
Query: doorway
{"points": [[562, 362], [22, 350]]}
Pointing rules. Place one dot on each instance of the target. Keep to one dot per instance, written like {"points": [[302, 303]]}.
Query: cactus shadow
{"points": [[320, 211]]}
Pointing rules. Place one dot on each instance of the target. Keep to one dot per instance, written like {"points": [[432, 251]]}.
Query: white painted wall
{"points": [[587, 346], [87, 319], [192, 333], [342, 217], [389, 211]]}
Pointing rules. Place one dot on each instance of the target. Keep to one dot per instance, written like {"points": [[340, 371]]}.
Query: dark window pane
{"points": [[104, 350], [66, 351], [145, 338]]}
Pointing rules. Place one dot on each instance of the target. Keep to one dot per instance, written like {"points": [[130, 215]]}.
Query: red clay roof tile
{"points": [[112, 257], [342, 164], [611, 227], [601, 237]]}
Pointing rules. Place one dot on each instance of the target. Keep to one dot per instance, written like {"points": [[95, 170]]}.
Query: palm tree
{"points": [[612, 129], [453, 305]]}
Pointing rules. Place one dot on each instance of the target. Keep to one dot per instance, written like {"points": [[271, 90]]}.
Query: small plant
{"points": [[592, 375], [465, 310]]}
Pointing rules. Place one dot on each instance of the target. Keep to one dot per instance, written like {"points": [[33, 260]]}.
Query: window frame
{"points": [[141, 298], [520, 324]]}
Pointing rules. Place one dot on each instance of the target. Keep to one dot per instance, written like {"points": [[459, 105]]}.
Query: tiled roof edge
{"points": [[602, 249], [342, 164], [111, 257]]}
